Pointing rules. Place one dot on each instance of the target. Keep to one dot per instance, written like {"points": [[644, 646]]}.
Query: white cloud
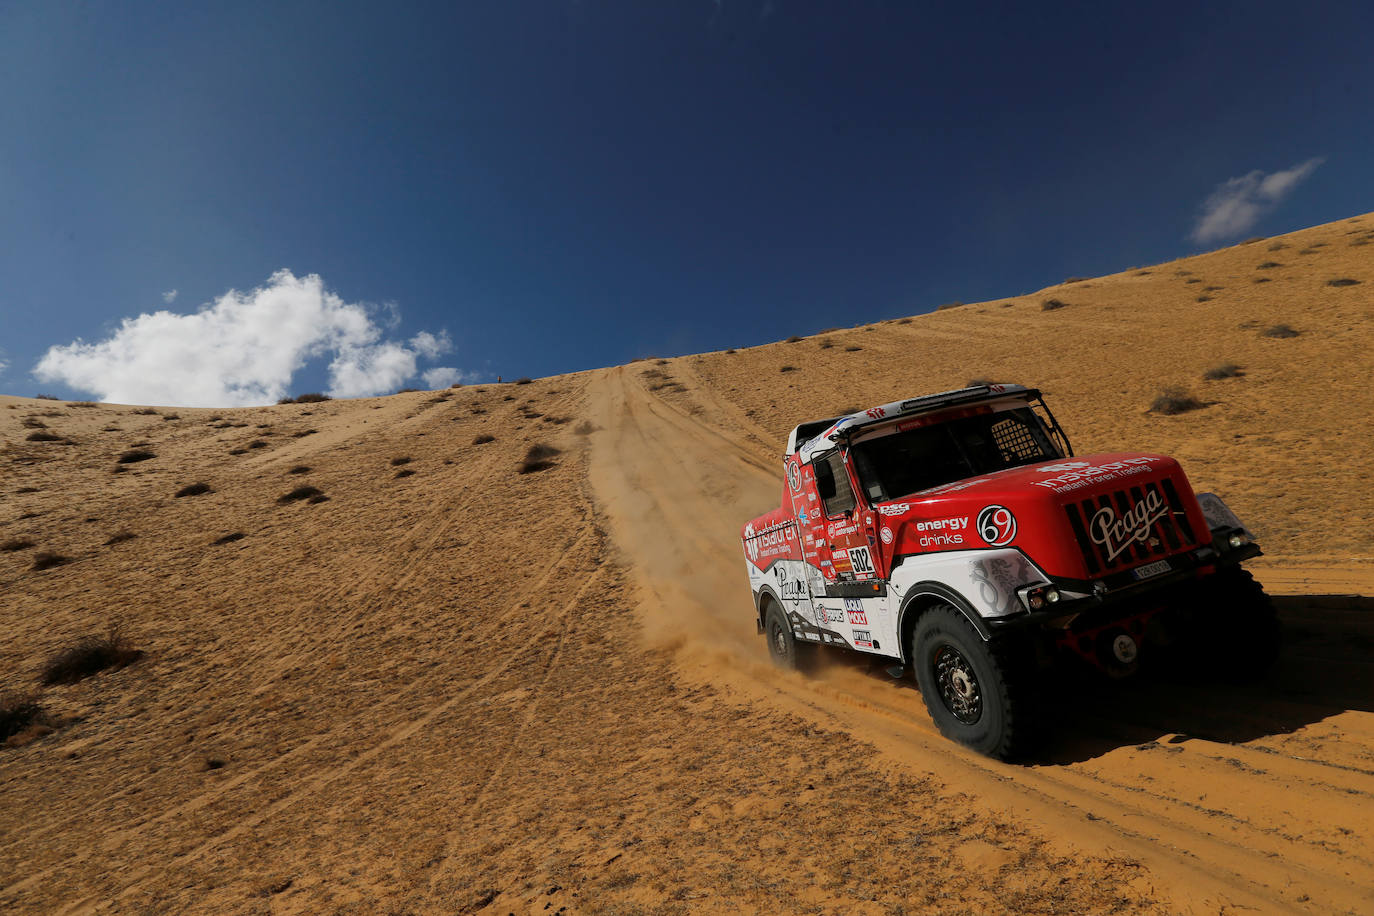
{"points": [[1238, 203], [442, 376], [430, 346], [170, 296], [242, 349], [3, 366]]}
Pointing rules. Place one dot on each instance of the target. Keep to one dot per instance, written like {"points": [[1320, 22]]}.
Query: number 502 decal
{"points": [[996, 525], [861, 561]]}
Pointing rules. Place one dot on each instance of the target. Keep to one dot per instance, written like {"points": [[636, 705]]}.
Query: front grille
{"points": [[1108, 544]]}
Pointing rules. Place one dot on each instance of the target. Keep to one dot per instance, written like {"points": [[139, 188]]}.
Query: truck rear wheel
{"points": [[971, 687], [783, 647], [1239, 629]]}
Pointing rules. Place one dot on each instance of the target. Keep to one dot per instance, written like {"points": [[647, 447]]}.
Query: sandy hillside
{"points": [[467, 689]]}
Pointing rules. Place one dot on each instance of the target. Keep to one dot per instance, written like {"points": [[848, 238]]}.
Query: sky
{"points": [[218, 204]]}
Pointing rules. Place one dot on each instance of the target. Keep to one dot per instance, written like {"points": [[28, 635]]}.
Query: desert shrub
{"points": [[194, 489], [1358, 242], [793, 339], [1342, 281], [1307, 251], [731, 352], [1225, 370], [170, 416], [28, 490], [1212, 289], [788, 369], [948, 305], [478, 411], [133, 455], [404, 472], [120, 537], [20, 712], [317, 498], [826, 343], [300, 469], [1175, 401], [299, 493], [1204, 298], [238, 451], [257, 443], [14, 544], [301, 434], [1261, 280], [47, 397], [47, 560], [523, 381], [1076, 279], [1143, 273], [1277, 246], [585, 428], [1269, 265], [1050, 305], [90, 655], [313, 397], [407, 390], [537, 458], [483, 439], [1193, 280], [1280, 331], [852, 349], [661, 362], [456, 385], [33, 423], [557, 421], [228, 539], [41, 436]]}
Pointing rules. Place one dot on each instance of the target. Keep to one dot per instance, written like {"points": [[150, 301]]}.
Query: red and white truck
{"points": [[956, 535]]}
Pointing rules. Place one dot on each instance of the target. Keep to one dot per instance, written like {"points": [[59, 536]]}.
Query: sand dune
{"points": [[468, 689]]}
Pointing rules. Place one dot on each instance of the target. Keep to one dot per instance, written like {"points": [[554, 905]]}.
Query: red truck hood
{"points": [[1079, 518]]}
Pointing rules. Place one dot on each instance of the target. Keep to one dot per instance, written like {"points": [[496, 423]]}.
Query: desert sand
{"points": [[467, 689]]}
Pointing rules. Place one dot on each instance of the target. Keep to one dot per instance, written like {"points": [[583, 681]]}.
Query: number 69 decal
{"points": [[996, 525]]}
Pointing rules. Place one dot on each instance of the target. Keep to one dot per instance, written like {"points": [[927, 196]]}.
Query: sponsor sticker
{"points": [[794, 476], [997, 526], [1116, 533], [854, 610], [861, 559], [863, 638], [895, 509], [886, 535]]}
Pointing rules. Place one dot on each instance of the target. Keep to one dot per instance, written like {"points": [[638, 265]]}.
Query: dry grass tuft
{"points": [[47, 397], [826, 343], [1175, 401], [313, 397], [228, 539], [1225, 370], [47, 560], [133, 455], [41, 436], [14, 544], [257, 443], [537, 458], [483, 439], [90, 655], [1269, 265], [793, 339], [523, 381], [397, 462], [119, 537], [788, 369], [1280, 331], [405, 472], [300, 493], [1343, 281], [300, 469], [852, 349], [1050, 305], [194, 489], [23, 720]]}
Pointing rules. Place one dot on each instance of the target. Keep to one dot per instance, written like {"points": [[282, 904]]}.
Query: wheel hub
{"points": [[958, 685]]}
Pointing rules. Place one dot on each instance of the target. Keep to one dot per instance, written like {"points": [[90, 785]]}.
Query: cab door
{"points": [[856, 590]]}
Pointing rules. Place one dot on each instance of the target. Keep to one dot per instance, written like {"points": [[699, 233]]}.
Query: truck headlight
{"points": [[1236, 540], [1040, 596]]}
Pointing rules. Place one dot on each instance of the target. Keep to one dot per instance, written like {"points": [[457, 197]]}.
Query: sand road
{"points": [[1258, 797]]}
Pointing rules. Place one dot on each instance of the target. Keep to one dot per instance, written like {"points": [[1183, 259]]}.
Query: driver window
{"points": [[832, 485]]}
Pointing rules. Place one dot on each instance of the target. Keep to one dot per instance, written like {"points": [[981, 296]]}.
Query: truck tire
{"points": [[974, 689], [783, 647], [1238, 625]]}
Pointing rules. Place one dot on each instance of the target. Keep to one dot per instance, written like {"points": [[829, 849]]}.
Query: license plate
{"points": [[1151, 569]]}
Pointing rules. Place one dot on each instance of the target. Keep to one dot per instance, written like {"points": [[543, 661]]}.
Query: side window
{"points": [[832, 484]]}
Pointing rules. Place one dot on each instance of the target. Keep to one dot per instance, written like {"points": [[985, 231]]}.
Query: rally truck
{"points": [[958, 537]]}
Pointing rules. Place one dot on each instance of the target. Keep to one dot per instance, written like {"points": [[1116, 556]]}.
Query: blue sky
{"points": [[541, 187]]}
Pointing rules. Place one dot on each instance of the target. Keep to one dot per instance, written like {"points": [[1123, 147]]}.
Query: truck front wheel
{"points": [[971, 687]]}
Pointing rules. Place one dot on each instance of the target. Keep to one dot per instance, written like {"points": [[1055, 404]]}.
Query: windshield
{"points": [[900, 464]]}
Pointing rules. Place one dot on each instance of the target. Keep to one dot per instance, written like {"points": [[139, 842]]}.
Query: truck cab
{"points": [[971, 503]]}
